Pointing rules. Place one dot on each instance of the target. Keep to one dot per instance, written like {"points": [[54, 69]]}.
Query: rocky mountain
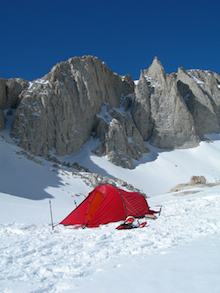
{"points": [[82, 97]]}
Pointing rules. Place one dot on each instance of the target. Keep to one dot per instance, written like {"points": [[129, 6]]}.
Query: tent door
{"points": [[95, 204]]}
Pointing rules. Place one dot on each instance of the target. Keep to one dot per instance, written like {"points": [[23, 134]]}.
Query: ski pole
{"points": [[51, 216]]}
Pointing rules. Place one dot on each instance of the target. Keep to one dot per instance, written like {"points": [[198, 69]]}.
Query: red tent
{"points": [[105, 204]]}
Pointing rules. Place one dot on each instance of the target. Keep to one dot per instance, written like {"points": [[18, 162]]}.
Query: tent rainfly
{"points": [[105, 204]]}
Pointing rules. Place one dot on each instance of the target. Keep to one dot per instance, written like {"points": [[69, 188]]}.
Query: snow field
{"points": [[178, 252], [34, 256]]}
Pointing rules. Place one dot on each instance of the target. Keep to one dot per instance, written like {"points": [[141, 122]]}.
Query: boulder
{"points": [[197, 180]]}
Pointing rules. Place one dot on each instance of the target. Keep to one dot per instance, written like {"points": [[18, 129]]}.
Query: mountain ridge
{"points": [[61, 111]]}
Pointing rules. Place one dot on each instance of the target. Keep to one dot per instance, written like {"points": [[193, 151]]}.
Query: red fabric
{"points": [[111, 209], [135, 203], [116, 205], [78, 216]]}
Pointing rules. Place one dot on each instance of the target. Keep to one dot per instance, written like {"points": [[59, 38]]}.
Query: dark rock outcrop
{"points": [[10, 90]]}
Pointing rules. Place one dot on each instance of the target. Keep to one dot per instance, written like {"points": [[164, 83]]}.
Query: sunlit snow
{"points": [[178, 252]]}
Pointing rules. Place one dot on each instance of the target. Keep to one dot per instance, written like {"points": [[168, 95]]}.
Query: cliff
{"points": [[82, 97]]}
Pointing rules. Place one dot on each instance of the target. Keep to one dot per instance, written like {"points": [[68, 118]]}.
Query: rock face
{"points": [[59, 111], [14, 86], [141, 111], [82, 97], [9, 96], [184, 106], [3, 103], [173, 125], [3, 97], [2, 120], [202, 96], [120, 140]]}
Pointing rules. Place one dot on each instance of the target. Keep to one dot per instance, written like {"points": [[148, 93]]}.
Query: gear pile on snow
{"points": [[131, 223]]}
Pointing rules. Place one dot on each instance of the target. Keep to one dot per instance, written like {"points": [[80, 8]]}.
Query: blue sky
{"points": [[35, 35]]}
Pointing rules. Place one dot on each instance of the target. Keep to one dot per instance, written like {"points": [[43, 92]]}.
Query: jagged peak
{"points": [[142, 79], [156, 60], [156, 64], [181, 69], [156, 71], [141, 75]]}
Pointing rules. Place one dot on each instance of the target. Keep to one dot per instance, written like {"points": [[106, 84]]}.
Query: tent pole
{"points": [[51, 216], [78, 214]]}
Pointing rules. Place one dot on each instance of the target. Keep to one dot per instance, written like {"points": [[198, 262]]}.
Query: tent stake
{"points": [[78, 214], [51, 216]]}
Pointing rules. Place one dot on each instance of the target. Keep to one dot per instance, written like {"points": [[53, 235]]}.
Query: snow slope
{"points": [[178, 252]]}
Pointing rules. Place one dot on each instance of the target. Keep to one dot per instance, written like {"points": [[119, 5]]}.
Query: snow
{"points": [[34, 114], [177, 252], [104, 113], [191, 73], [198, 81], [41, 81], [186, 97]]}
